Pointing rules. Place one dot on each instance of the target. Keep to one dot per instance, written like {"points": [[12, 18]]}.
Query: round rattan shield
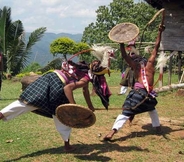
{"points": [[75, 116], [124, 32]]}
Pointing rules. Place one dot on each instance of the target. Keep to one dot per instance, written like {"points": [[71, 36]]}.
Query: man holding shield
{"points": [[142, 97], [48, 92]]}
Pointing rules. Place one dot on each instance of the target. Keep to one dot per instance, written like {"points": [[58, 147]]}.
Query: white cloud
{"points": [[85, 13], [50, 2], [70, 16]]}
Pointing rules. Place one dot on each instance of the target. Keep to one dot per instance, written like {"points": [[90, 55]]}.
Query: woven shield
{"points": [[124, 32], [75, 116]]}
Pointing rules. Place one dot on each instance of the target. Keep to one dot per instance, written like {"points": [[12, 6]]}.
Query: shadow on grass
{"points": [[150, 131], [165, 130], [93, 152], [99, 149], [89, 152]]}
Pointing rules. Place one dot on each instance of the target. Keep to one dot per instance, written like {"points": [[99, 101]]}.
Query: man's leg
{"points": [[119, 122], [155, 120], [64, 131], [123, 89], [15, 109]]}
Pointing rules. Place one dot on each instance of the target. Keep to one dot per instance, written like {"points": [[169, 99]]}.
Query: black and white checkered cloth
{"points": [[46, 93]]}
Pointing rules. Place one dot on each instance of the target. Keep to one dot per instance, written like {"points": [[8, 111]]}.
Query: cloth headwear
{"points": [[131, 43], [67, 67]]}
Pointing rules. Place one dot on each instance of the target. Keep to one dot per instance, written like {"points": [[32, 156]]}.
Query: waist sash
{"points": [[62, 76]]}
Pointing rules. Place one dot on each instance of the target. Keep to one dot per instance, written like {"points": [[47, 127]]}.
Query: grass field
{"points": [[33, 138]]}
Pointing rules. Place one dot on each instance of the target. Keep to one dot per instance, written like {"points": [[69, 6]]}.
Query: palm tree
{"points": [[13, 45]]}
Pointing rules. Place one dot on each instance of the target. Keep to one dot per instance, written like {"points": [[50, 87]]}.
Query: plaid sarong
{"points": [[138, 101], [46, 93]]}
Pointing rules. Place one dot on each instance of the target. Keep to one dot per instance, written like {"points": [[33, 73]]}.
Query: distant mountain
{"points": [[41, 50]]}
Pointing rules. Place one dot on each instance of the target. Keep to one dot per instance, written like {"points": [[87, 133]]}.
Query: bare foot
{"points": [[109, 136], [1, 116], [69, 148], [158, 130]]}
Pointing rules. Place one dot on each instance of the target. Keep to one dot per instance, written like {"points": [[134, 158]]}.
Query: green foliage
{"points": [[15, 49], [86, 54], [5, 22], [33, 67], [67, 46], [54, 64], [120, 11], [31, 137], [20, 75], [63, 46], [23, 54]]}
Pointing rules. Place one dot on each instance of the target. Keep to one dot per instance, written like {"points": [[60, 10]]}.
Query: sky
{"points": [[58, 16]]}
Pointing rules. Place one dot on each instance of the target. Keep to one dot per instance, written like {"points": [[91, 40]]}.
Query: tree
{"points": [[119, 11], [15, 49], [67, 46], [84, 52], [62, 46], [116, 12]]}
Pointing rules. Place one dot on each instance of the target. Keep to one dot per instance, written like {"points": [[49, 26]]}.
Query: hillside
{"points": [[41, 52]]}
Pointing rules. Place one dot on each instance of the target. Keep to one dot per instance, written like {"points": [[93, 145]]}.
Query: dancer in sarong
{"points": [[55, 88], [141, 98], [45, 94]]}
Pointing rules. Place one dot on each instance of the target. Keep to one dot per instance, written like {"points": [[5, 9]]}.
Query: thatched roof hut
{"points": [[173, 36]]}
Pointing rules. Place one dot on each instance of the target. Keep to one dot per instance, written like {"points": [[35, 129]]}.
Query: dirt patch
{"points": [[174, 128], [180, 92]]}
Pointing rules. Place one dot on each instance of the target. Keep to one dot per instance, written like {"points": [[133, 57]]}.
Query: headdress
{"points": [[103, 54]]}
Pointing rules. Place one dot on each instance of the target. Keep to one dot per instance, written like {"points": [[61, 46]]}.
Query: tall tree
{"points": [[13, 45], [119, 11], [23, 48], [116, 12]]}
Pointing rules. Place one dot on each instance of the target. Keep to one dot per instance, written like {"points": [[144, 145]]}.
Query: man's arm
{"points": [[157, 42], [126, 57], [82, 83], [87, 98], [151, 60]]}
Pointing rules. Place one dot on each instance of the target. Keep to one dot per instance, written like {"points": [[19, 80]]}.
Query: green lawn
{"points": [[33, 138]]}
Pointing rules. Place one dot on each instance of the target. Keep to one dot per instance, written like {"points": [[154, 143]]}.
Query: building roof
{"points": [[158, 4], [155, 3]]}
